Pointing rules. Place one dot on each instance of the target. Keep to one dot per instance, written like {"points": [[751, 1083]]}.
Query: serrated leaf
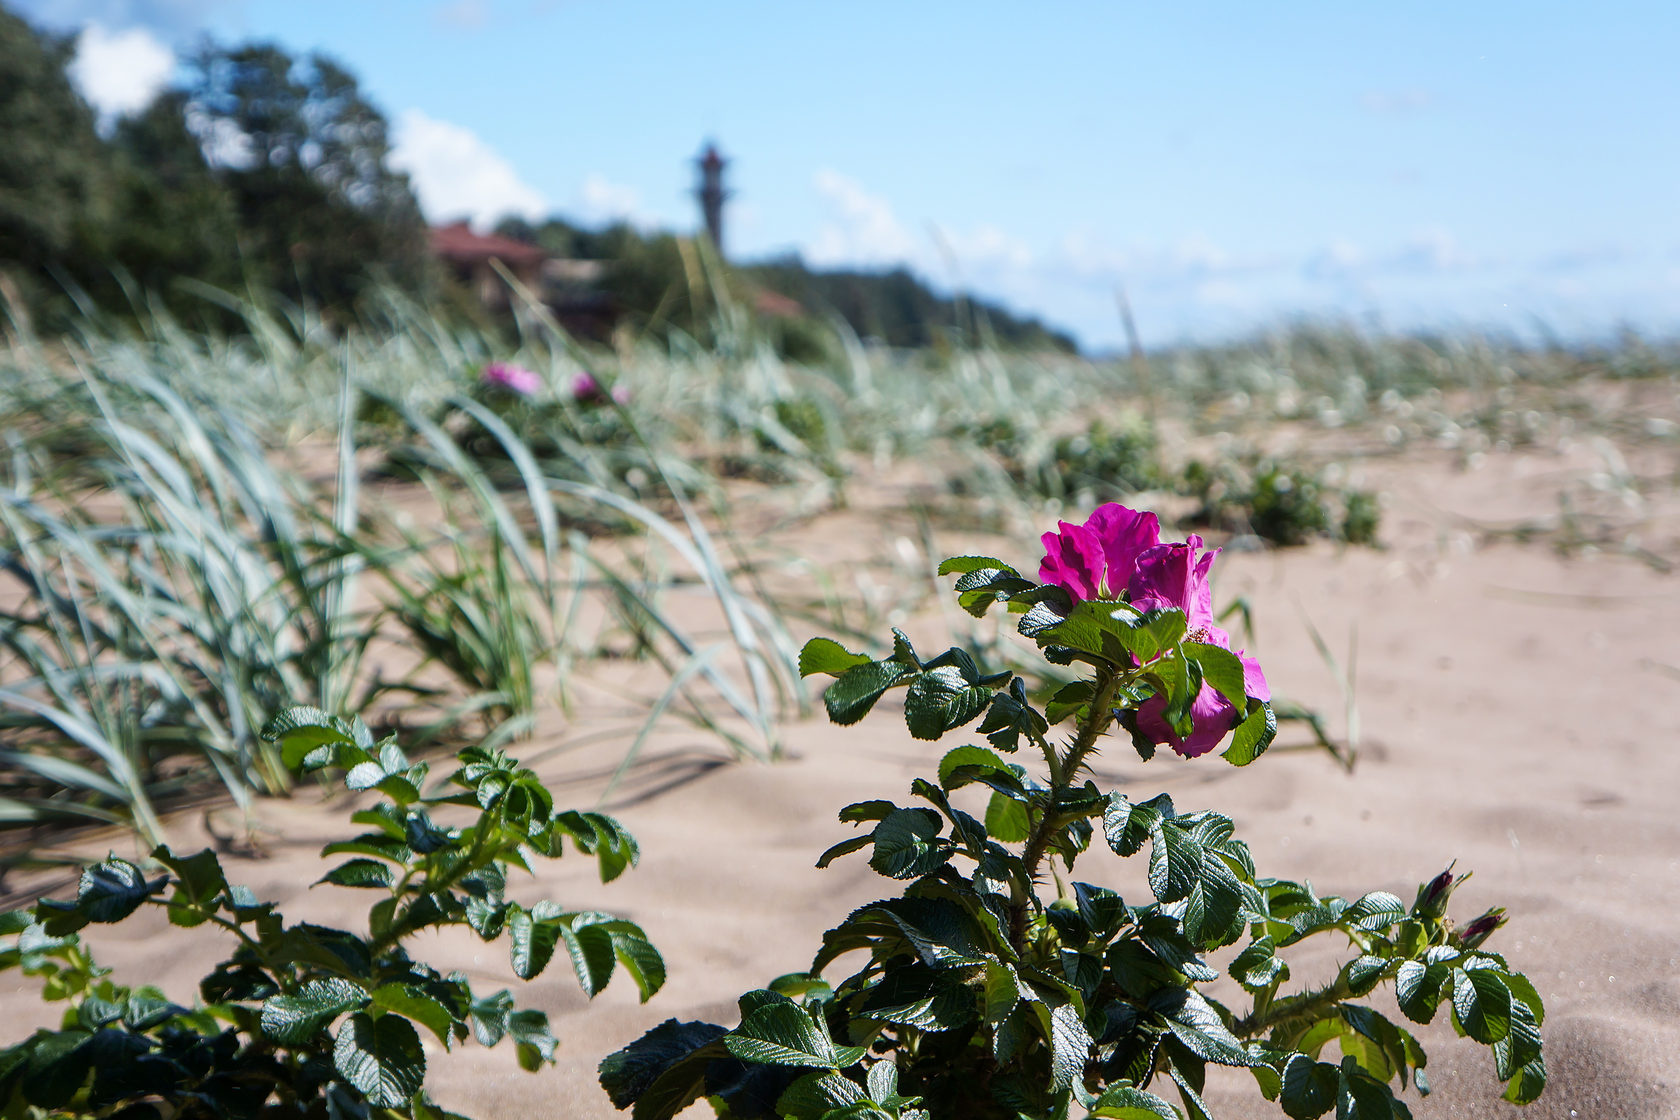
{"points": [[781, 1033], [1258, 966], [593, 955], [940, 700], [1482, 1004], [360, 873], [112, 889], [1194, 1022], [1006, 819], [1252, 736], [974, 759], [1222, 669], [963, 565], [641, 960], [1012, 716], [629, 1074], [1127, 1102], [829, 657], [817, 1094], [296, 1019], [1309, 1087], [1175, 860], [531, 942], [381, 1057], [856, 690], [414, 1003], [1127, 825], [907, 844], [1068, 699]]}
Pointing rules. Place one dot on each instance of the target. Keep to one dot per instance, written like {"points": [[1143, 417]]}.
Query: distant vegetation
{"points": [[268, 175]]}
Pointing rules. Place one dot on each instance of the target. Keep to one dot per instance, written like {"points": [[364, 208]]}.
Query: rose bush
{"points": [[978, 994]]}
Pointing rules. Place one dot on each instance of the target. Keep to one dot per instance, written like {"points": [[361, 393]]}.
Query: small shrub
{"points": [[975, 996], [303, 1020]]}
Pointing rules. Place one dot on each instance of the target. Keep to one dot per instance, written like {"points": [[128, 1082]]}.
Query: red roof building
{"points": [[469, 255]]}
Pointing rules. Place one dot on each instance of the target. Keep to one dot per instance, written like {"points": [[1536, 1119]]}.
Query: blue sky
{"points": [[1230, 164]]}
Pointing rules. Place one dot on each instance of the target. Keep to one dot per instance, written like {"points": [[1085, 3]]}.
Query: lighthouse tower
{"points": [[711, 193]]}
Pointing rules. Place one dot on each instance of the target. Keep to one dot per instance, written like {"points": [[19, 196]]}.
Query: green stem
{"points": [[1098, 716], [1305, 1005], [403, 926]]}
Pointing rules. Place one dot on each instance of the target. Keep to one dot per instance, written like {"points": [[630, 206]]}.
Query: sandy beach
{"points": [[1517, 711]]}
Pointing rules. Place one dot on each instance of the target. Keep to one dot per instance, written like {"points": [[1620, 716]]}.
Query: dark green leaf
{"points": [[628, 1074], [360, 873], [851, 697], [1194, 1022], [380, 1057], [1175, 860], [781, 1033], [1258, 966], [296, 1019], [1068, 699], [907, 844], [112, 890], [1127, 1102], [1127, 825], [1253, 735], [1482, 1004], [1012, 716], [1309, 1087], [940, 700], [817, 1093], [592, 952], [531, 942]]}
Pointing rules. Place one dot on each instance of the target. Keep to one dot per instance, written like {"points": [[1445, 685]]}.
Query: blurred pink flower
{"points": [[1171, 575], [621, 394], [1095, 560], [515, 379], [585, 388]]}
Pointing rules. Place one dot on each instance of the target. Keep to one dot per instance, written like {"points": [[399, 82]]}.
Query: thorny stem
{"points": [[1305, 1005], [1062, 769]]}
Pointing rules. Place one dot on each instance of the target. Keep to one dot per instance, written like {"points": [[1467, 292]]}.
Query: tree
{"points": [[172, 218], [305, 156], [53, 173]]}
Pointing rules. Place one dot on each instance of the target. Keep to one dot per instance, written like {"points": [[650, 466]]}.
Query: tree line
{"points": [[268, 176]]}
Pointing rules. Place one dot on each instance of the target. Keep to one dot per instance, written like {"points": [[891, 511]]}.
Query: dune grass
{"points": [[198, 531]]}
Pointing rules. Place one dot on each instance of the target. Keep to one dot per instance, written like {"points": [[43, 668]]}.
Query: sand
{"points": [[1518, 711]]}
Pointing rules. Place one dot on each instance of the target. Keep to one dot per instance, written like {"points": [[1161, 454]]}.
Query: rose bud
{"points": [[1432, 896], [1479, 930]]}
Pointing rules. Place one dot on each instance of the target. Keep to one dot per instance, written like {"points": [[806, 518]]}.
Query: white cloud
{"points": [[456, 174], [863, 230], [120, 72], [600, 200]]}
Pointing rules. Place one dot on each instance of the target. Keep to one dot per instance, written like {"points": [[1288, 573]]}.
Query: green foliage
{"points": [[1104, 462], [974, 996], [900, 309], [1280, 503], [305, 1020]]}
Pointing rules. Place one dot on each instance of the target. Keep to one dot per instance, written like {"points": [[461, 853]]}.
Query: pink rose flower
{"points": [[515, 379], [1171, 575], [585, 389], [1118, 551], [1095, 560]]}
